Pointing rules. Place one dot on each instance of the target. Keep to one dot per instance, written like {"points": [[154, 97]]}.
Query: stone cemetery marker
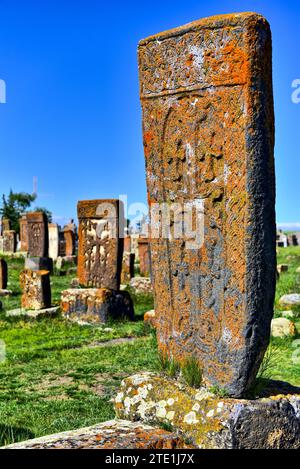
{"points": [[24, 234], [36, 289], [100, 248], [38, 241], [5, 225], [127, 267], [9, 241], [53, 240], [69, 237], [3, 274], [127, 244], [144, 256], [206, 93]]}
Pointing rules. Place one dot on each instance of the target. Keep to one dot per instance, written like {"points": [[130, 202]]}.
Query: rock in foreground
{"points": [[209, 421], [115, 434]]}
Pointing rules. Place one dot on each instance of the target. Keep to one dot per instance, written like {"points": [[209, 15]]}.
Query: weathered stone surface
{"points": [[127, 267], [114, 434], [9, 241], [53, 241], [141, 285], [283, 327], [69, 236], [144, 256], [24, 234], [206, 93], [3, 274], [34, 314], [209, 421], [293, 299], [96, 305], [38, 235], [63, 261], [289, 314], [5, 225], [100, 249], [39, 263], [36, 290], [127, 244]]}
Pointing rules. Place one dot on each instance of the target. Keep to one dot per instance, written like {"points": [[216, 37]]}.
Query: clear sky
{"points": [[72, 117]]}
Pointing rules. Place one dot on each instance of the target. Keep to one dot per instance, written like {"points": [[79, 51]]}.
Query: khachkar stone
{"points": [[69, 237], [144, 256], [38, 237], [36, 290], [206, 93], [127, 243], [9, 241], [53, 241], [3, 274], [24, 234], [100, 251], [100, 248]]}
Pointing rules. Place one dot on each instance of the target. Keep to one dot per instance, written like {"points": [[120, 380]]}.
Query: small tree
{"points": [[14, 206]]}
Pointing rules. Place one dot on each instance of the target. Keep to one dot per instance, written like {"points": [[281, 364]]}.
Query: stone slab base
{"points": [[115, 434], [96, 305], [34, 314], [39, 263], [213, 422]]}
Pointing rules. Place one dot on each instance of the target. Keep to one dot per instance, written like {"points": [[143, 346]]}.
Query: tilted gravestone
{"points": [[38, 237], [100, 248], [208, 128]]}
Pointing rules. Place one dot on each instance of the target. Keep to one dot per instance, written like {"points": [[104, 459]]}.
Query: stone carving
{"points": [[100, 248], [144, 256], [9, 241], [38, 240], [24, 233], [206, 93], [53, 240]]}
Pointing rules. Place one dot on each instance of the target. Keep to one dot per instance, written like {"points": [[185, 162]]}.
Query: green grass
{"points": [[59, 375]]}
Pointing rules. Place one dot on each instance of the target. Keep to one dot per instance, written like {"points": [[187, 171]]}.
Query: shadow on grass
{"points": [[10, 434]]}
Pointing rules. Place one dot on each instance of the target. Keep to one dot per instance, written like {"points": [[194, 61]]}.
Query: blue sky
{"points": [[72, 117]]}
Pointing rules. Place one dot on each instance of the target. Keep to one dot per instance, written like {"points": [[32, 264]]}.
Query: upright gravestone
{"points": [[69, 237], [100, 247], [38, 237], [3, 274], [208, 127], [100, 250], [5, 225], [24, 233], [127, 243], [9, 241], [53, 241], [144, 256], [38, 243]]}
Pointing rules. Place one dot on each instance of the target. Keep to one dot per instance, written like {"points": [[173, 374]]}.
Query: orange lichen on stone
{"points": [[206, 93], [36, 290]]}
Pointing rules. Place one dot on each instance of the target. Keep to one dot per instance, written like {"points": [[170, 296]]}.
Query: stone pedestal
{"points": [[36, 289], [211, 422], [95, 305], [39, 263]]}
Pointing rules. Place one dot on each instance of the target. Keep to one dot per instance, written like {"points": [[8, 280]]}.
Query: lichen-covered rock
{"points": [[95, 305], [209, 421], [141, 285], [283, 327], [114, 434], [150, 317], [36, 289], [208, 128], [293, 299]]}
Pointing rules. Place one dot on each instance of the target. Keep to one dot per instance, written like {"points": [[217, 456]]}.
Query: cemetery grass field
{"points": [[60, 376]]}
